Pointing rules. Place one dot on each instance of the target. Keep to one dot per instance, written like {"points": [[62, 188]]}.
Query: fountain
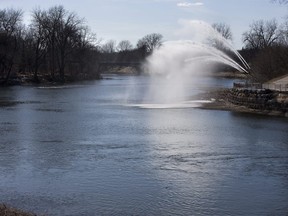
{"points": [[176, 63]]}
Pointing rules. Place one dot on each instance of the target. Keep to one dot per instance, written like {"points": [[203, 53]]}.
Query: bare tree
{"points": [[224, 30], [124, 45], [50, 21], [56, 38], [269, 63], [38, 36], [86, 54], [262, 34], [61, 39], [269, 42], [283, 33], [87, 39], [60, 31], [150, 42], [225, 33], [67, 39], [10, 30], [109, 46], [10, 21]]}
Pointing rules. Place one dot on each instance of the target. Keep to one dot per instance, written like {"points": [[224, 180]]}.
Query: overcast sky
{"points": [[132, 19]]}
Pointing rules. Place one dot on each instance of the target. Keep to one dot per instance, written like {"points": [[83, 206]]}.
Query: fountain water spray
{"points": [[213, 54], [176, 63], [204, 33]]}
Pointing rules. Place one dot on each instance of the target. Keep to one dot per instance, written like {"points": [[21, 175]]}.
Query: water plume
{"points": [[204, 33], [176, 63]]}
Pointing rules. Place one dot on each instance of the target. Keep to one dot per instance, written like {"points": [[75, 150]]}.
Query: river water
{"points": [[84, 149]]}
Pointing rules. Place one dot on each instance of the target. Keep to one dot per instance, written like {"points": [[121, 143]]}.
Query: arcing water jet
{"points": [[178, 62]]}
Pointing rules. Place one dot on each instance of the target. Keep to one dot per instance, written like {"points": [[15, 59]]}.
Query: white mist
{"points": [[176, 64]]}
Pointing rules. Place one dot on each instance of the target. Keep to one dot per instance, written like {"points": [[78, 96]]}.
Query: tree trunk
{"points": [[36, 79]]}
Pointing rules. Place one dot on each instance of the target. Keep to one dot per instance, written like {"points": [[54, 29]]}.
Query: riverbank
{"points": [[8, 211], [45, 79], [263, 102]]}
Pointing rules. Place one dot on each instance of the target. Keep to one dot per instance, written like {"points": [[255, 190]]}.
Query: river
{"points": [[84, 149]]}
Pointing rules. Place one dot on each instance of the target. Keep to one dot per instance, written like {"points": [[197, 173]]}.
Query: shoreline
{"points": [[9, 211], [220, 101], [29, 80], [45, 79]]}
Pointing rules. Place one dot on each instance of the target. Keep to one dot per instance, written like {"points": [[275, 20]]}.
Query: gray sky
{"points": [[133, 19]]}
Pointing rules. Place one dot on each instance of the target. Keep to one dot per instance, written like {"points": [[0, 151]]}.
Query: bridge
{"points": [[102, 66]]}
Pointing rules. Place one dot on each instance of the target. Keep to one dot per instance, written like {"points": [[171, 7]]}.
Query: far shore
{"points": [[28, 79]]}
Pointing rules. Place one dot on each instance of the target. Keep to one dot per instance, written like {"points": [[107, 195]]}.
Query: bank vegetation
{"points": [[266, 48], [57, 46]]}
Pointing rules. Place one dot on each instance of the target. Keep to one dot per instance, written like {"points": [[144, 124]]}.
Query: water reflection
{"points": [[218, 168]]}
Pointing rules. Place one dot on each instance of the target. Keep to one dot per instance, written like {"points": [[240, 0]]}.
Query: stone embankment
{"points": [[264, 100]]}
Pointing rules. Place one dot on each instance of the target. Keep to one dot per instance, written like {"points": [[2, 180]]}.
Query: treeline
{"points": [[57, 46], [266, 49], [55, 42]]}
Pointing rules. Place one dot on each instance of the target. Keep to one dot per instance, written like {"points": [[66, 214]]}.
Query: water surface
{"points": [[80, 150]]}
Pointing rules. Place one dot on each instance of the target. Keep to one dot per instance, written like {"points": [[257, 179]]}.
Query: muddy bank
{"points": [[8, 211]]}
